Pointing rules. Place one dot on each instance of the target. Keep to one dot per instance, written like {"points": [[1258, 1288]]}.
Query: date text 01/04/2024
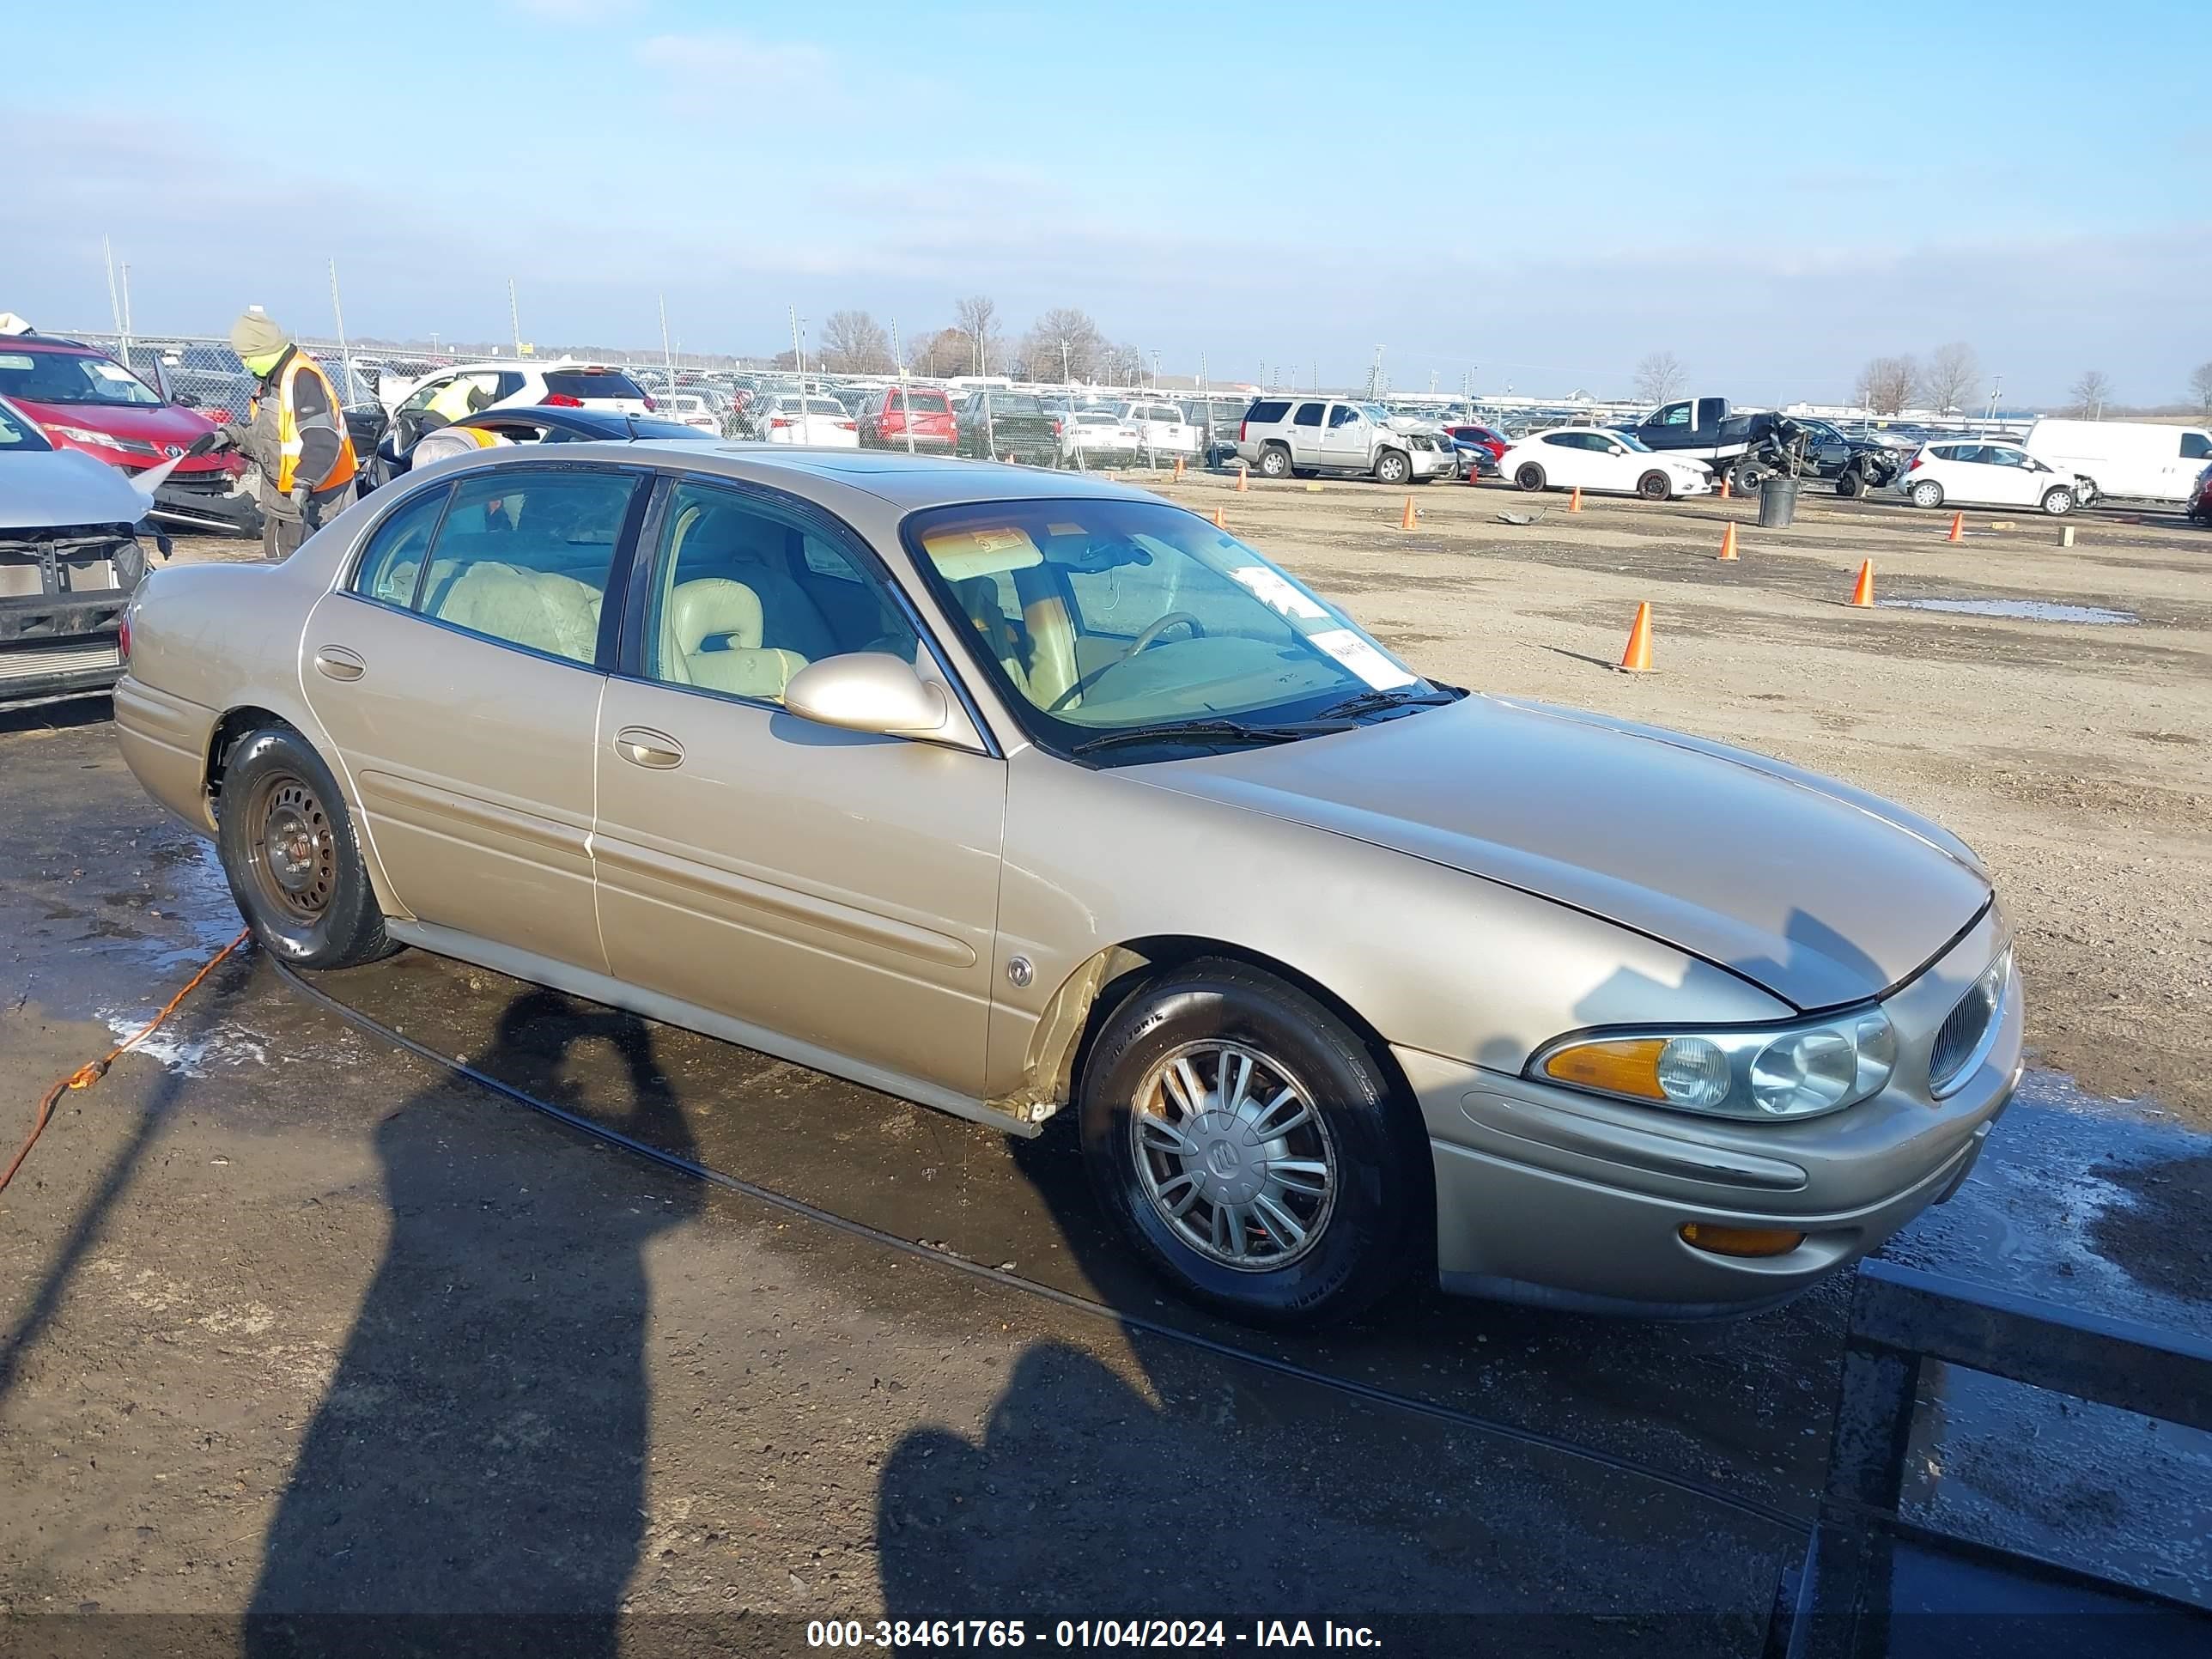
{"points": [[1084, 1634]]}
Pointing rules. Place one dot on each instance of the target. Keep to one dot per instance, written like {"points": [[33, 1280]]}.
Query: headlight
{"points": [[79, 434], [1773, 1072]]}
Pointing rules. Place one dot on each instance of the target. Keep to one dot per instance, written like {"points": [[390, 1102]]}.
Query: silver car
{"points": [[1017, 793], [1281, 437]]}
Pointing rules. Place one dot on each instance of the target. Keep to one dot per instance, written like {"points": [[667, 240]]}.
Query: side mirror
{"points": [[869, 691]]}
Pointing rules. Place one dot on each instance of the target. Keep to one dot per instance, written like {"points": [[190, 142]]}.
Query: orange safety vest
{"points": [[306, 402]]}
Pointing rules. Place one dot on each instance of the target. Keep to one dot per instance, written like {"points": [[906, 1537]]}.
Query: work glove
{"points": [[211, 443]]}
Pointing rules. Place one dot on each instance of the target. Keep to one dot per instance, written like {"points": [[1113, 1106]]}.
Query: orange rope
{"points": [[92, 1070]]}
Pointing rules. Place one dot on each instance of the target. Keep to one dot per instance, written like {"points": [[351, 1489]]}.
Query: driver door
{"points": [[1344, 445], [833, 888]]}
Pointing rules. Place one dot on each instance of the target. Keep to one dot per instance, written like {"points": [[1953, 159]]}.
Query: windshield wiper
{"points": [[1366, 702], [1210, 732]]}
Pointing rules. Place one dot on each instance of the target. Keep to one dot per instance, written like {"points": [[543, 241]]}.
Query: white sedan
{"points": [[824, 423], [691, 410], [1974, 472], [1162, 428], [1617, 463]]}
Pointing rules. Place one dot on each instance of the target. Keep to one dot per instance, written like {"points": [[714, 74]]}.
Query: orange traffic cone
{"points": [[1405, 518], [1862, 591], [1241, 485], [1637, 660], [1957, 528], [1728, 542], [1220, 519], [1724, 486], [1178, 471], [1575, 499]]}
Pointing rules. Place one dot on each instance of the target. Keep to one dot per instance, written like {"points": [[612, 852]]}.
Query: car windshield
{"points": [[1375, 413], [59, 377], [1114, 618], [18, 435]]}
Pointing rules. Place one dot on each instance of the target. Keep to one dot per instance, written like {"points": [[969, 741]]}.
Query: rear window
{"points": [[1267, 411], [825, 407], [590, 383], [923, 403]]}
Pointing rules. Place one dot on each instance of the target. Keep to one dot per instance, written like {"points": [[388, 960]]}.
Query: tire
{"points": [[2086, 493], [1655, 486], [1367, 1211], [1928, 493], [1274, 462], [307, 901], [1745, 480], [1530, 476], [1392, 468], [1851, 485], [2059, 501]]}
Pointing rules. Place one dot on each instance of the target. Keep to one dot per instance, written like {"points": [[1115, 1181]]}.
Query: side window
{"points": [[523, 557], [509, 383], [1563, 440], [1308, 415], [1673, 414], [420, 398], [1342, 415], [746, 596], [394, 556], [2196, 446]]}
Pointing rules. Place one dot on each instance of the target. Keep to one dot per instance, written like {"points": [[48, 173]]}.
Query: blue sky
{"points": [[1482, 189]]}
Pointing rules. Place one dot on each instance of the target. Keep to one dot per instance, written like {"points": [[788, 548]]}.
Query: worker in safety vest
{"points": [[296, 435]]}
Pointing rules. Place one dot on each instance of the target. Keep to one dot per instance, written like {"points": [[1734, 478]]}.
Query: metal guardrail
{"points": [[1838, 1605]]}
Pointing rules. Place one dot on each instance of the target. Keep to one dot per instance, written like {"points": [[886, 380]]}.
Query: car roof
{"points": [[54, 343], [601, 422], [903, 482]]}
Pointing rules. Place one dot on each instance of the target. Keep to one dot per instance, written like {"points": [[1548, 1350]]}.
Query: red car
{"points": [[882, 422], [84, 399], [2200, 499], [1482, 437]]}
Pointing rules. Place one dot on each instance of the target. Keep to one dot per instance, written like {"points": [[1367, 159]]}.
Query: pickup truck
{"points": [[1748, 447]]}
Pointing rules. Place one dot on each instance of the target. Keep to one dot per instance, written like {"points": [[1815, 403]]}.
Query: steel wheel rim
{"points": [[1234, 1155], [294, 848]]}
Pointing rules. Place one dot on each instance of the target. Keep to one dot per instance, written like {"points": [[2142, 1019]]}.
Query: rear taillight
{"points": [[649, 404], [123, 637], [560, 400], [1242, 427], [1914, 467], [848, 426], [777, 422]]}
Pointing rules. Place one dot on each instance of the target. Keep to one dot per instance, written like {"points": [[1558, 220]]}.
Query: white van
{"points": [[2137, 458]]}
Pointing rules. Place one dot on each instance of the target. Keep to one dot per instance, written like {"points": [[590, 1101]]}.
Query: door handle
{"points": [[336, 662], [640, 745]]}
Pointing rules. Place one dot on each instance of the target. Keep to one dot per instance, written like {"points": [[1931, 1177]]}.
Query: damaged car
{"points": [[73, 537]]}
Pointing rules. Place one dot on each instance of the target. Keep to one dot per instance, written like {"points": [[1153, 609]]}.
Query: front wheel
{"points": [[1530, 476], [1250, 1145], [1851, 485], [1392, 468], [288, 848], [2057, 501], [1654, 487], [1928, 493]]}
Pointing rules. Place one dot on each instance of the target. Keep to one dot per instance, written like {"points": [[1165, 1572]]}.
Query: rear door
{"points": [[1567, 462], [833, 888], [1306, 432], [459, 673]]}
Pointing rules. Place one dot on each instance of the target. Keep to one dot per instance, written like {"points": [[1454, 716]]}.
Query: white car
{"points": [[2143, 460], [1976, 472], [821, 421], [1162, 428], [690, 410], [565, 383], [1096, 437], [1609, 463]]}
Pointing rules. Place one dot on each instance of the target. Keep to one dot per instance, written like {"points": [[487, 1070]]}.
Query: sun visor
{"points": [[960, 553]]}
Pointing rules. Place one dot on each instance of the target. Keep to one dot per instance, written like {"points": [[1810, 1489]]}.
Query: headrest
{"points": [[701, 610]]}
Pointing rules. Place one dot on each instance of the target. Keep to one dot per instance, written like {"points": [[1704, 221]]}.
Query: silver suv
{"points": [[1282, 437]]}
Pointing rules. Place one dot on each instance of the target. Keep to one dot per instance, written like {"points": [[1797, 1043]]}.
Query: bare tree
{"points": [[1660, 377], [1954, 378], [977, 317], [1063, 344], [2091, 393], [945, 352], [1886, 385], [2200, 387], [854, 343]]}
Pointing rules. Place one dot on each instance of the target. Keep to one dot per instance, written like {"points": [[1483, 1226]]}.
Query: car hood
{"points": [[1816, 891], [62, 487], [157, 423]]}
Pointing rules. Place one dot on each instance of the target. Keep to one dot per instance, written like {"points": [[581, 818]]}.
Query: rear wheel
{"points": [[1392, 468], [1745, 479], [1274, 462], [287, 847], [1928, 493], [1530, 476], [1250, 1145], [2058, 501], [1653, 486]]}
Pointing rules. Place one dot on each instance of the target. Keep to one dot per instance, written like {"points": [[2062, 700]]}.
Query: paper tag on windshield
{"points": [[1273, 589], [111, 371], [1362, 659]]}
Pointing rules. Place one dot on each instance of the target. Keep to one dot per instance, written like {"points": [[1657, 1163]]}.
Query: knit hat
{"points": [[255, 335]]}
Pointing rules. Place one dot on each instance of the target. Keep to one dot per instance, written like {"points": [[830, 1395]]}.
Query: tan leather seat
{"points": [[979, 598], [729, 613], [554, 614]]}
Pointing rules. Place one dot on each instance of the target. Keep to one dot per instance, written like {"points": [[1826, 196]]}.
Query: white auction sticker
{"points": [[1362, 659], [1275, 590]]}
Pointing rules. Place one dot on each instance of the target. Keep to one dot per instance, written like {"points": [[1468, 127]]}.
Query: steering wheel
{"points": [[1142, 641]]}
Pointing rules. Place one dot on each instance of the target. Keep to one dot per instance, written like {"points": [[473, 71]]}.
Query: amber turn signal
{"points": [[1627, 1067], [1739, 1241]]}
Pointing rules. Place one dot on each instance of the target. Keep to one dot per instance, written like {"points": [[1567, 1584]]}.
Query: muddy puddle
{"points": [[2019, 610]]}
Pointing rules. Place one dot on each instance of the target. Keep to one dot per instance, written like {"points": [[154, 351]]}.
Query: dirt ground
{"points": [[2076, 758]]}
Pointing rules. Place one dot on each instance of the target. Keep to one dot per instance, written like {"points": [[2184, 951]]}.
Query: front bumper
{"points": [[1551, 1196], [60, 645]]}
